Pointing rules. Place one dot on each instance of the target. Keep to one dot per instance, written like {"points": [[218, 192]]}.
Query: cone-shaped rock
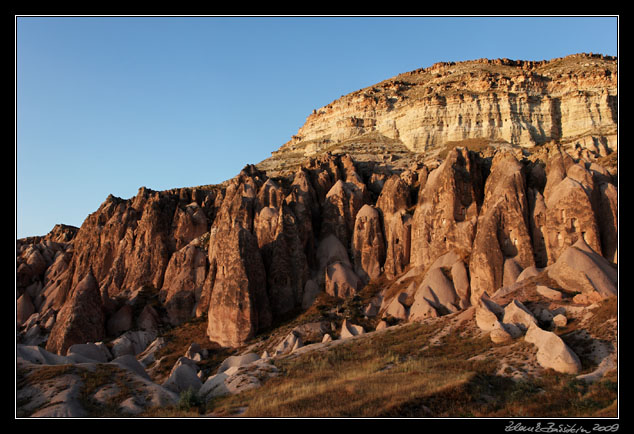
{"points": [[368, 244], [81, 320], [445, 217], [503, 239]]}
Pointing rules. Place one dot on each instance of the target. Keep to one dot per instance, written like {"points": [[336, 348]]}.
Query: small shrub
{"points": [[189, 399]]}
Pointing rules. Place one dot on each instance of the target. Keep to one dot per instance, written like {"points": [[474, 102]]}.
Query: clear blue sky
{"points": [[105, 105]]}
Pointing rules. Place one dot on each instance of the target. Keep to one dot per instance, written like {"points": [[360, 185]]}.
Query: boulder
{"points": [[439, 291], [238, 361], [132, 343], [516, 313], [130, 406], [65, 404], [381, 325], [581, 269], [38, 355], [396, 309], [237, 379], [528, 272], [500, 335], [215, 385], [560, 320], [130, 363], [460, 279], [422, 308], [195, 352], [549, 293], [371, 309], [552, 352], [487, 313], [542, 314], [182, 378], [147, 356], [289, 344], [95, 351], [349, 330], [312, 331], [606, 365]]}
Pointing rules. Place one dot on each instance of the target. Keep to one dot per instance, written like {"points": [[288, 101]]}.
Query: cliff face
{"points": [[260, 247], [571, 99]]}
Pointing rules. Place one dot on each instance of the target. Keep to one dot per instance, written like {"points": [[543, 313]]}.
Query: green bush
{"points": [[189, 399]]}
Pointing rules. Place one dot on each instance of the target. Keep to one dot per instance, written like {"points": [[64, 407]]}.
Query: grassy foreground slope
{"points": [[444, 367]]}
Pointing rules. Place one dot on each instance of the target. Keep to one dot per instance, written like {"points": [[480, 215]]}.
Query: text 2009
{"points": [[605, 428], [552, 428]]}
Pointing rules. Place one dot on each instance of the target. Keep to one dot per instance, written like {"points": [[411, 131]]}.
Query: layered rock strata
{"points": [[569, 100]]}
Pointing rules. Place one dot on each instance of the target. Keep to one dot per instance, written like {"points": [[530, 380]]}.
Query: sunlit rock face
{"points": [[520, 102]]}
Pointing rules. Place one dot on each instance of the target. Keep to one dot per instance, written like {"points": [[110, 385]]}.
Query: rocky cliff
{"points": [[250, 250], [569, 100], [488, 171]]}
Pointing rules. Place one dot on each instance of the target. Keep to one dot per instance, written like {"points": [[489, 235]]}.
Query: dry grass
{"points": [[102, 376], [408, 371], [558, 395], [601, 324], [41, 374], [91, 381], [381, 376]]}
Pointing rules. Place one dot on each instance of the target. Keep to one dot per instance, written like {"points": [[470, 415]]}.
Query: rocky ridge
{"points": [[526, 103], [416, 235]]}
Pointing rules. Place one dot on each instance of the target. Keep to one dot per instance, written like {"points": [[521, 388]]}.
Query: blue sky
{"points": [[105, 105]]}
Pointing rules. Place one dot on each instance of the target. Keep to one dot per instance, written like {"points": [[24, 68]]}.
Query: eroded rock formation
{"points": [[520, 102], [259, 247]]}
